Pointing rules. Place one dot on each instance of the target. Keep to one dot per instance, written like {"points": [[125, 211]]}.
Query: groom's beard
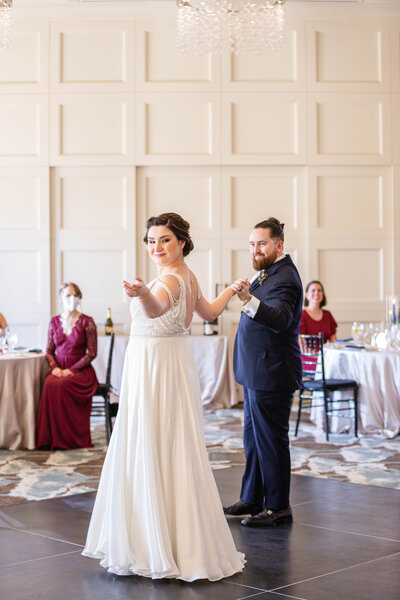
{"points": [[260, 264]]}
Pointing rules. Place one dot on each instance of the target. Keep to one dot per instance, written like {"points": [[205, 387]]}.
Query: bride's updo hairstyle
{"points": [[179, 227]]}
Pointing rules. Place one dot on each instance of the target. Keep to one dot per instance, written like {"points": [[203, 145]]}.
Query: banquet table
{"points": [[378, 376], [21, 380], [211, 356]]}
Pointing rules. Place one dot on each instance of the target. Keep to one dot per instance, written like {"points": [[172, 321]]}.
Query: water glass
{"points": [[12, 340], [370, 330]]}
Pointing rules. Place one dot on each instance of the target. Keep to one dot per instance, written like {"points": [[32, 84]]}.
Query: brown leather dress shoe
{"points": [[269, 518], [242, 508]]}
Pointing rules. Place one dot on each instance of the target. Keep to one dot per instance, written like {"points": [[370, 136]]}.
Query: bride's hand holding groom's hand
{"points": [[241, 287]]}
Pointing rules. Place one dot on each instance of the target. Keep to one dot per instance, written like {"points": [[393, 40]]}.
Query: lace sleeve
{"points": [[51, 347], [91, 345]]}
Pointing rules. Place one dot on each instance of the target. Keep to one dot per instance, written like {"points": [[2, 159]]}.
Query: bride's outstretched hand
{"points": [[138, 289], [241, 287]]}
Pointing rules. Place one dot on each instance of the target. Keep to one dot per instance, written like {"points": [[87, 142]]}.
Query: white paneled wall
{"points": [[25, 250], [261, 128], [178, 128], [92, 56], [349, 57], [94, 223], [103, 123], [161, 67], [24, 68], [282, 71]]}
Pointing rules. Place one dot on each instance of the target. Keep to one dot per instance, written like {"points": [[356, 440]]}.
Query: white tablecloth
{"points": [[210, 353], [378, 376], [21, 382]]}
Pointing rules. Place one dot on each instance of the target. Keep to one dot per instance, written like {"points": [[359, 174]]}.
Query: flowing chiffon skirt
{"points": [[157, 512]]}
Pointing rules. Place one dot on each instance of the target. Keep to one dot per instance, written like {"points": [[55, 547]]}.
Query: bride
{"points": [[157, 512]]}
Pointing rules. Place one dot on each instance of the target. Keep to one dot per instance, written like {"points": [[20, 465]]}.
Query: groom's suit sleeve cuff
{"points": [[251, 307]]}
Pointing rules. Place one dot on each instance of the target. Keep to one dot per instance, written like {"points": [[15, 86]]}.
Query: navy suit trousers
{"points": [[266, 478]]}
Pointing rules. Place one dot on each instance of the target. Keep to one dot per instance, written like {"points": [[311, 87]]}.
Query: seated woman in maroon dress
{"points": [[315, 319], [65, 405]]}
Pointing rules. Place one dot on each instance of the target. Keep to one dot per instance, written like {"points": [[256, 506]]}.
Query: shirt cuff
{"points": [[251, 307]]}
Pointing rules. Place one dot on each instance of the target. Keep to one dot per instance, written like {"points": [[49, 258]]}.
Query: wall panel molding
{"points": [[25, 269], [350, 202], [178, 129], [348, 56], [280, 71], [93, 202], [396, 128], [92, 129], [92, 56], [263, 128], [24, 67], [349, 129], [395, 56], [24, 203], [94, 229], [251, 193], [24, 130], [162, 67]]}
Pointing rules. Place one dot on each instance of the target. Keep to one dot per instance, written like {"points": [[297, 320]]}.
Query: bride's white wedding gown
{"points": [[157, 512]]}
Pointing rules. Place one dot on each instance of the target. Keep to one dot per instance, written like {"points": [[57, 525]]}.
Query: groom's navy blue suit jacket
{"points": [[267, 354]]}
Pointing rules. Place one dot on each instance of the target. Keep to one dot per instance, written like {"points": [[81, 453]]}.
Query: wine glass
{"points": [[369, 333], [12, 340], [397, 339], [356, 331], [375, 331], [3, 343]]}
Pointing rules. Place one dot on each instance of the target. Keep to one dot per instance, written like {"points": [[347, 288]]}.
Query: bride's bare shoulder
{"points": [[171, 282]]}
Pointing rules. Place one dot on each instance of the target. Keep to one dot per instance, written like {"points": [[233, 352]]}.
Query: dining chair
{"points": [[104, 407], [314, 380]]}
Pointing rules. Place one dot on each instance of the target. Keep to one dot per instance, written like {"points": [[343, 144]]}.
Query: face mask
{"points": [[70, 303]]}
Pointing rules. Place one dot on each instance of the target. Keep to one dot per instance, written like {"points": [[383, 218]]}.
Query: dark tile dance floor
{"points": [[343, 545]]}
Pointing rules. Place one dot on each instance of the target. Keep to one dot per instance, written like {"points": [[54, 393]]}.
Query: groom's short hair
{"points": [[274, 225]]}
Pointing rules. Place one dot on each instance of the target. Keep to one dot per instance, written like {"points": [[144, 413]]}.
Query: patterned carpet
{"points": [[370, 460]]}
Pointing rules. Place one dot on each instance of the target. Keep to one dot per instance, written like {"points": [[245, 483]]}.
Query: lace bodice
{"points": [[172, 323], [75, 351]]}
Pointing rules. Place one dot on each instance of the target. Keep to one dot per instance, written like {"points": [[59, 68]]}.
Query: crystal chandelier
{"points": [[223, 26], [5, 24]]}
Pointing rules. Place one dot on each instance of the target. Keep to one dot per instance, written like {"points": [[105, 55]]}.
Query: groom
{"points": [[267, 363]]}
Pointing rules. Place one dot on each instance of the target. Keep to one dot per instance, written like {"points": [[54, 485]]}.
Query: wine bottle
{"points": [[109, 325], [208, 330], [211, 327]]}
